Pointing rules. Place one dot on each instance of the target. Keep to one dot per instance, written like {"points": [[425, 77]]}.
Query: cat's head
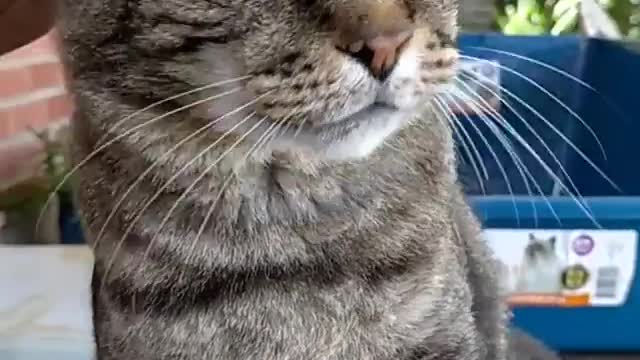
{"points": [[539, 249], [334, 77]]}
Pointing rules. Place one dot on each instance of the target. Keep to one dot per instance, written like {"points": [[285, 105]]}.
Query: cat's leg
{"points": [[524, 347], [97, 317], [489, 307]]}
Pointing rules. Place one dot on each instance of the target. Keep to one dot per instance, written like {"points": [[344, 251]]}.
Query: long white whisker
{"points": [[295, 135], [554, 98], [505, 124], [563, 136], [158, 161], [185, 193], [500, 119], [465, 148], [555, 70], [508, 146], [121, 136], [199, 178], [491, 150], [174, 97], [264, 138], [529, 127], [540, 63], [463, 130]]}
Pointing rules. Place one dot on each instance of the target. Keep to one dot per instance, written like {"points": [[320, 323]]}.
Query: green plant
{"points": [[55, 163], [29, 196], [559, 17]]}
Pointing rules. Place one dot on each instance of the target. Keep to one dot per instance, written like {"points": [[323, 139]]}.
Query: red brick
{"points": [[29, 115], [20, 160], [4, 124], [15, 82], [60, 107], [46, 75]]}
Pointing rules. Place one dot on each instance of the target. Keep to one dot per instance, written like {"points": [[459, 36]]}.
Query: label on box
{"points": [[571, 268]]}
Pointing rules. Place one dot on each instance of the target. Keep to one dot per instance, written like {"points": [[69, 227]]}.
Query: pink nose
{"points": [[380, 53], [386, 50], [373, 32]]}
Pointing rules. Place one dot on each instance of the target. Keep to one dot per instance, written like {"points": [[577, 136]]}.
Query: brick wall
{"points": [[32, 95], [32, 89]]}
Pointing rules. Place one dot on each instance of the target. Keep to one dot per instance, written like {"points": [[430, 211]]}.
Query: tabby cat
{"points": [[265, 180]]}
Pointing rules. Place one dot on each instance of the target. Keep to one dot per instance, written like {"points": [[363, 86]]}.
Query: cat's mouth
{"points": [[380, 104], [355, 132], [356, 116], [352, 136]]}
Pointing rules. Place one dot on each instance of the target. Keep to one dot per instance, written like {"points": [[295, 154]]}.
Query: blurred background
{"points": [[584, 53]]}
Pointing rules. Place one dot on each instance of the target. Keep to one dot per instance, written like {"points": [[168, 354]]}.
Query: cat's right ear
{"points": [[532, 238]]}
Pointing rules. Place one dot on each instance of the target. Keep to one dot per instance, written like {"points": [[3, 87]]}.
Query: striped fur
{"points": [[314, 246]]}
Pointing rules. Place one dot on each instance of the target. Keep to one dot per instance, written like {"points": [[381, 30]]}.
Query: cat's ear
{"points": [[552, 242], [532, 238]]}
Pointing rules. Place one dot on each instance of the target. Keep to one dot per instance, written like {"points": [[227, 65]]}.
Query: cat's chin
{"points": [[352, 137]]}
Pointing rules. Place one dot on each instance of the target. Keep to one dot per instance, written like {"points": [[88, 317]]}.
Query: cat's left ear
{"points": [[552, 241]]}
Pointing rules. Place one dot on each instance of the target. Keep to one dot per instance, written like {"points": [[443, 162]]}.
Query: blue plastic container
{"points": [[611, 111], [71, 232]]}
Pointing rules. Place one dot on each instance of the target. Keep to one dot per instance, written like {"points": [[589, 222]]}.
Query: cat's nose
{"points": [[374, 33]]}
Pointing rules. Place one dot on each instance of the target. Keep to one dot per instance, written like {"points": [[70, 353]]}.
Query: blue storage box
{"points": [[571, 267]]}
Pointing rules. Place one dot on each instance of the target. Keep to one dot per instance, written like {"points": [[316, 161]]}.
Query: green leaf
{"points": [[634, 33], [562, 6], [566, 23], [510, 10], [502, 22], [519, 25]]}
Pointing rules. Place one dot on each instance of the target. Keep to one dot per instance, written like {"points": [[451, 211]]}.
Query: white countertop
{"points": [[45, 303]]}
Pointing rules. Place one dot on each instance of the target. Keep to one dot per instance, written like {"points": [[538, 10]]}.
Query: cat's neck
{"points": [[240, 214], [420, 155]]}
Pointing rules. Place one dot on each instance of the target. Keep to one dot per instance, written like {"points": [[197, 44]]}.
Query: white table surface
{"points": [[45, 304]]}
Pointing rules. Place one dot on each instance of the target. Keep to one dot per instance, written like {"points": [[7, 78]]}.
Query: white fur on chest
{"points": [[360, 144]]}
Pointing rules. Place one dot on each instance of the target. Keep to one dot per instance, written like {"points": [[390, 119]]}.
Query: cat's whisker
{"points": [[121, 136], [526, 124], [490, 148], [166, 100], [177, 174], [283, 130], [196, 181], [540, 63], [295, 135], [438, 111], [463, 130], [159, 192], [508, 145], [505, 124], [443, 111], [553, 97], [261, 141], [159, 161], [522, 168], [555, 70]]}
